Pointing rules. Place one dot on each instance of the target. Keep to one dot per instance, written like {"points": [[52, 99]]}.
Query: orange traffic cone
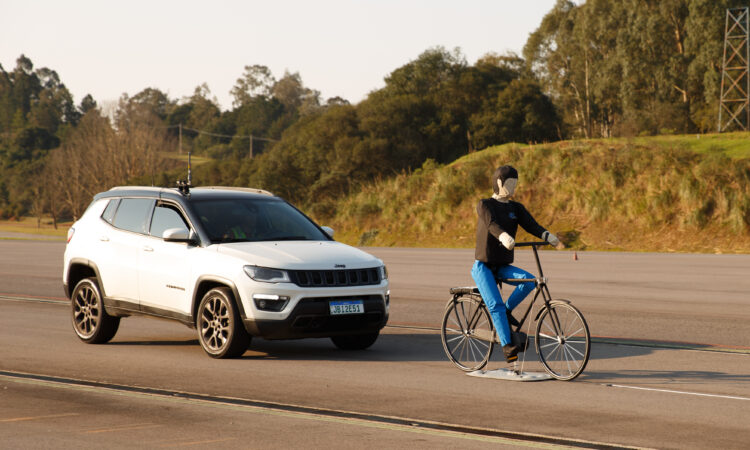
{"points": [[575, 256]]}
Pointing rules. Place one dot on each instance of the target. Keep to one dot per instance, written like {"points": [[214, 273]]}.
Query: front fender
{"points": [[215, 280], [551, 303]]}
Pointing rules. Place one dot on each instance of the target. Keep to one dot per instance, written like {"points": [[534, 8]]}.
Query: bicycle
{"points": [[562, 338]]}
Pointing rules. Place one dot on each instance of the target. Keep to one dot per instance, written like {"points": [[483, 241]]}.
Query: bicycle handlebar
{"points": [[531, 244]]}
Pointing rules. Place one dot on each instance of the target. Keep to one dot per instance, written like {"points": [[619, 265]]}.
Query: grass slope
{"points": [[31, 226], [667, 193]]}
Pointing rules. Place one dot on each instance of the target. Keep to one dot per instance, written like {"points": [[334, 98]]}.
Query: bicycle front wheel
{"points": [[467, 333], [562, 340]]}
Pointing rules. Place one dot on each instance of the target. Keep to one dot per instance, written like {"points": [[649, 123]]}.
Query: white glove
{"points": [[551, 238], [507, 241]]}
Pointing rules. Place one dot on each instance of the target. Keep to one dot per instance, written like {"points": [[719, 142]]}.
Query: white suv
{"points": [[231, 262]]}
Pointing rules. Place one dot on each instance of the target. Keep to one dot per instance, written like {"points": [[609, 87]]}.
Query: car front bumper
{"points": [[311, 317]]}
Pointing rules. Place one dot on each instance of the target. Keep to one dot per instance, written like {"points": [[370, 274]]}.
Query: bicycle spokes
{"points": [[467, 333], [562, 341]]}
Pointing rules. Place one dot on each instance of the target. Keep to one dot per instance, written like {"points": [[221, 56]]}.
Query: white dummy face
{"points": [[508, 188]]}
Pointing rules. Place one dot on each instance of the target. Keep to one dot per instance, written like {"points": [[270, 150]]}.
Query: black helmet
{"points": [[503, 173]]}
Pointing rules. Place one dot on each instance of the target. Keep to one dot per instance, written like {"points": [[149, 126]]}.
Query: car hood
{"points": [[300, 255]]}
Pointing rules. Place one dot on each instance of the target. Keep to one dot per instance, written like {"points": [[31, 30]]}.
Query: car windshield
{"points": [[249, 220]]}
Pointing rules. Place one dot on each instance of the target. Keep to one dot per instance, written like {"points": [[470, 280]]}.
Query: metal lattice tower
{"points": [[734, 105]]}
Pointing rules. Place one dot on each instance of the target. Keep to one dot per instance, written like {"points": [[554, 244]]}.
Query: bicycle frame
{"points": [[541, 288]]}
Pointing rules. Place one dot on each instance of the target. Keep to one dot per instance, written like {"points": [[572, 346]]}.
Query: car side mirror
{"points": [[328, 230], [178, 235]]}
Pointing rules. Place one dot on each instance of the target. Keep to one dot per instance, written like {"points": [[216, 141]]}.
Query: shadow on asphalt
{"points": [[157, 343], [389, 347], [600, 351]]}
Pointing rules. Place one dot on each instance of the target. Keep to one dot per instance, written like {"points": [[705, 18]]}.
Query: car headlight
{"points": [[383, 273], [267, 275]]}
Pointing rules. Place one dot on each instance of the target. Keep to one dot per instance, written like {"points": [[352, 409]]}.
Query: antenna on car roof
{"points": [[184, 186]]}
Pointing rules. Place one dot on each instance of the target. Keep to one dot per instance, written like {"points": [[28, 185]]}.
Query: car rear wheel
{"points": [[91, 322], [355, 341], [220, 329]]}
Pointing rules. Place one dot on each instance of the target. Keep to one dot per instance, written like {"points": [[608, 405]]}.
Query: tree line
{"points": [[632, 67], [599, 69]]}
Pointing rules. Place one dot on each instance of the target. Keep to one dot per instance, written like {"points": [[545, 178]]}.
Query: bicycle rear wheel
{"points": [[562, 340], [467, 333]]}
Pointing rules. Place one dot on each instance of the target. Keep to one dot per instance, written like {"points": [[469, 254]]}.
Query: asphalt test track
{"points": [[670, 367]]}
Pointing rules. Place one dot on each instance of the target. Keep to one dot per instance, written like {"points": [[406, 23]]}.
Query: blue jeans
{"points": [[487, 281]]}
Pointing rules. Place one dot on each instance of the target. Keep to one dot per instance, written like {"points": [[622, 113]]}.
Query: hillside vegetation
{"points": [[687, 193]]}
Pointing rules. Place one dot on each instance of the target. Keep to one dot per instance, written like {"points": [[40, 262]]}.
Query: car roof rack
{"points": [[141, 188], [233, 188]]}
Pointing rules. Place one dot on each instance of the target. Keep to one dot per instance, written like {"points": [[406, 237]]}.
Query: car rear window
{"points": [[109, 211]]}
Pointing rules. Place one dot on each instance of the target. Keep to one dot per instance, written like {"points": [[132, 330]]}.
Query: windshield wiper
{"points": [[288, 238]]}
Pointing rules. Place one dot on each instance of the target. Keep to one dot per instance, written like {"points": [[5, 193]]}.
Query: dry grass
{"points": [[30, 225]]}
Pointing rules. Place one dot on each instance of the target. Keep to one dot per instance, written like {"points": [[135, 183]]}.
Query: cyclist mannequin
{"points": [[498, 221]]}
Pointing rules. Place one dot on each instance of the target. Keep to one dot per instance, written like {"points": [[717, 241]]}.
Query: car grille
{"points": [[335, 278]]}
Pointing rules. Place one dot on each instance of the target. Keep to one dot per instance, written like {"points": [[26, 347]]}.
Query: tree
{"points": [[290, 91], [155, 101], [26, 87], [703, 43], [425, 107], [257, 81], [201, 113], [520, 113], [315, 158], [631, 67], [96, 156], [87, 104]]}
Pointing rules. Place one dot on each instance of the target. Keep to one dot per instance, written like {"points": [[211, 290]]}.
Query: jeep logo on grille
{"points": [[339, 266]]}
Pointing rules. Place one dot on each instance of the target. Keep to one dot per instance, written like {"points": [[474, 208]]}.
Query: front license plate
{"points": [[346, 307]]}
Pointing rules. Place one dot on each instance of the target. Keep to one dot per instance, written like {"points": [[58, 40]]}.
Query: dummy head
{"points": [[504, 182]]}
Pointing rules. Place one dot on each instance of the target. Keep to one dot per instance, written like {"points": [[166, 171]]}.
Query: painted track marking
{"points": [[671, 391]]}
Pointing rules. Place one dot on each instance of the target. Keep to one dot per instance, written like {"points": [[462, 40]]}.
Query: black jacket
{"points": [[494, 218]]}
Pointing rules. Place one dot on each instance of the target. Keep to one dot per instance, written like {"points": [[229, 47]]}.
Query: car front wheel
{"points": [[220, 329]]}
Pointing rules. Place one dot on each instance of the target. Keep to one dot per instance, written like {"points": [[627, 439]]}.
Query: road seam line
{"points": [[24, 419]]}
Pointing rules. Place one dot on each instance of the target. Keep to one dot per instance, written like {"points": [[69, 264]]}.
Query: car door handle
{"points": [[104, 239], [148, 249]]}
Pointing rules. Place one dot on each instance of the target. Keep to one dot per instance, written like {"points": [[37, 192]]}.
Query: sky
{"points": [[341, 48]]}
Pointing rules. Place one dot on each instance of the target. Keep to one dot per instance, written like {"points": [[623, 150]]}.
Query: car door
{"points": [[118, 264], [165, 267]]}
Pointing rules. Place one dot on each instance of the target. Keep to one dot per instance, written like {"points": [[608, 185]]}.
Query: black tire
{"points": [[355, 341], [563, 341], [467, 333], [91, 322], [220, 329]]}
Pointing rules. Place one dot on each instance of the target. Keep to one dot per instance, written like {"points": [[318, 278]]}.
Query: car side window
{"points": [[109, 211], [133, 214], [166, 217]]}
